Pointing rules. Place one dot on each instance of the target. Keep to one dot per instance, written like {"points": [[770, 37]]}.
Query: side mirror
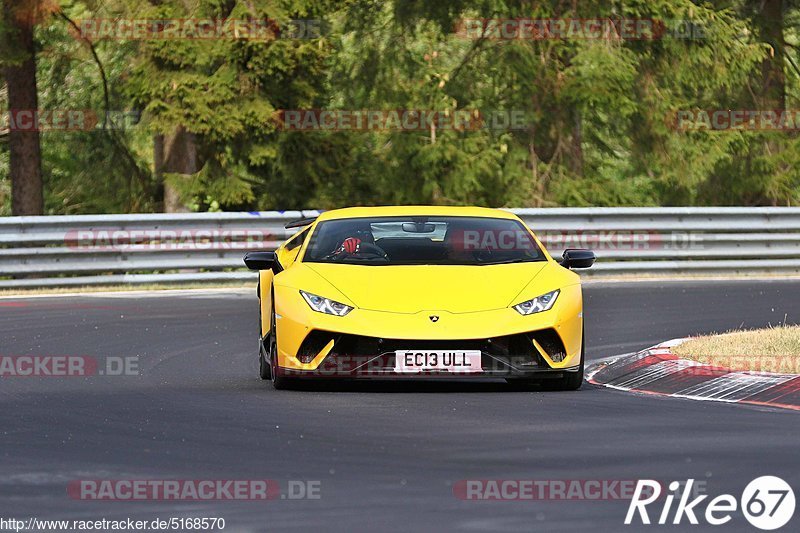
{"points": [[577, 258], [259, 260]]}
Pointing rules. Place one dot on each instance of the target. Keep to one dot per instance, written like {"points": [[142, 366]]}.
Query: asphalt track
{"points": [[386, 455]]}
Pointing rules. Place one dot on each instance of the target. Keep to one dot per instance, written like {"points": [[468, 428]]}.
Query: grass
{"points": [[775, 349]]}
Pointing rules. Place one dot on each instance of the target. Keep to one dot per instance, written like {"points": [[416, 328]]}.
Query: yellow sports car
{"points": [[419, 292]]}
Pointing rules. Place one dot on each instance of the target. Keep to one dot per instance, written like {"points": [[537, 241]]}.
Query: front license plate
{"points": [[453, 361]]}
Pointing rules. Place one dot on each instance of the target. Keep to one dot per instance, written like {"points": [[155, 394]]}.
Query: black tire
{"points": [[571, 381], [264, 370], [278, 382]]}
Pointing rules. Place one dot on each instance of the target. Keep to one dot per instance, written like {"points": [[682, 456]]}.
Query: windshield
{"points": [[422, 240]]}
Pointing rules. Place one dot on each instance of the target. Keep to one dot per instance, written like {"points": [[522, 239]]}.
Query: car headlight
{"points": [[538, 304], [325, 305]]}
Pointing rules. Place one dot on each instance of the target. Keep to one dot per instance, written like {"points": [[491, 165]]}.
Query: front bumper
{"points": [[511, 356], [363, 343]]}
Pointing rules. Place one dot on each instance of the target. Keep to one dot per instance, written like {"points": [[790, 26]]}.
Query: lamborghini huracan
{"points": [[419, 292]]}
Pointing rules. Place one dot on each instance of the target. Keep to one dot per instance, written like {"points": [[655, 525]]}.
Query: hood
{"points": [[414, 288]]}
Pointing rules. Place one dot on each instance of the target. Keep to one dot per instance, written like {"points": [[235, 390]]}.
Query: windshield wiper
{"points": [[509, 261]]}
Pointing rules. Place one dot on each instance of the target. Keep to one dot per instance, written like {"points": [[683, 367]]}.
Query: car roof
{"points": [[415, 210]]}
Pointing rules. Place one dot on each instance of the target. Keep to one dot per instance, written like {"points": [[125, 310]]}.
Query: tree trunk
{"points": [[25, 155], [158, 169], [772, 94], [174, 154], [576, 157]]}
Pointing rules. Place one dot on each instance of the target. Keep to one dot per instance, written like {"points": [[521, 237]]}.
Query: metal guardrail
{"points": [[203, 247]]}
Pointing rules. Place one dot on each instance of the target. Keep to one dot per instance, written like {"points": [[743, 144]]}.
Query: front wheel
{"points": [[571, 381], [278, 382], [264, 370]]}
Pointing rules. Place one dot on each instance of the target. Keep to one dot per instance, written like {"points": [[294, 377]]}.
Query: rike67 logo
{"points": [[767, 503]]}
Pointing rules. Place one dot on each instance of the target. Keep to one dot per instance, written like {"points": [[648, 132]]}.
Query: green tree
{"points": [[18, 60]]}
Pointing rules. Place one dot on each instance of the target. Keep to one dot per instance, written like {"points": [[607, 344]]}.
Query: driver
{"points": [[352, 245]]}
